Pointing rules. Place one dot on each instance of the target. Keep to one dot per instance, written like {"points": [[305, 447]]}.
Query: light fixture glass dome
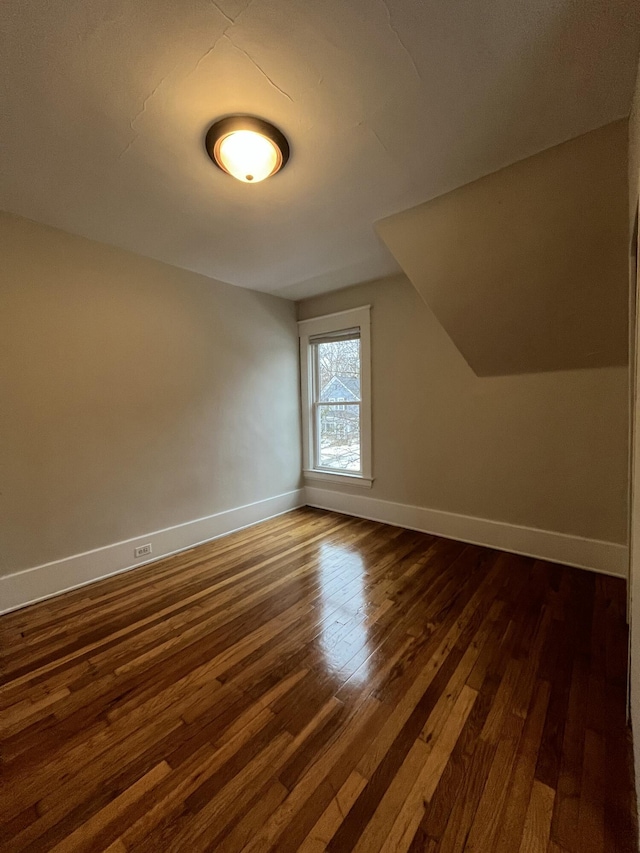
{"points": [[248, 156], [248, 148]]}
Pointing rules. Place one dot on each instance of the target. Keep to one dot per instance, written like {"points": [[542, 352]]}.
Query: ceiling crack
{"points": [[241, 13], [206, 53], [386, 150], [139, 113], [399, 39], [127, 146], [261, 70], [146, 101], [364, 123], [222, 12]]}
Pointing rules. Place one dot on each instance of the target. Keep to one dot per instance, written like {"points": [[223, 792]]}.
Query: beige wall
{"points": [[135, 395], [541, 450], [526, 268]]}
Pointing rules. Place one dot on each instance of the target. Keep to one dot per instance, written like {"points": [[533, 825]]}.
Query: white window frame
{"points": [[307, 329]]}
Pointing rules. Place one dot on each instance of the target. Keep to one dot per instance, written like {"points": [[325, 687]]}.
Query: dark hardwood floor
{"points": [[321, 683]]}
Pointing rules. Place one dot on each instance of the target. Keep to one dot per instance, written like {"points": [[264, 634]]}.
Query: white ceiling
{"points": [[386, 105]]}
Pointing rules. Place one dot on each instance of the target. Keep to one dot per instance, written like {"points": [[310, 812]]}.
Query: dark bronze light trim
{"points": [[224, 126]]}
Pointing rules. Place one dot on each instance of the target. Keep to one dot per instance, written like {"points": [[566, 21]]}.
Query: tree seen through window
{"points": [[338, 404]]}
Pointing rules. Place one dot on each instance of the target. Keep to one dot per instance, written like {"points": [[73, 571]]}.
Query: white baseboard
{"points": [[608, 558], [40, 582]]}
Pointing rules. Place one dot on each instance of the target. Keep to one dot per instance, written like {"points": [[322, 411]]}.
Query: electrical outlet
{"points": [[142, 551]]}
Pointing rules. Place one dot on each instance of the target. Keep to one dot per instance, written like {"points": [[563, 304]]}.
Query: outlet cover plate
{"points": [[142, 550]]}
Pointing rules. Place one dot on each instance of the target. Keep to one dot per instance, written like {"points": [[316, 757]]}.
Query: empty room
{"points": [[319, 426]]}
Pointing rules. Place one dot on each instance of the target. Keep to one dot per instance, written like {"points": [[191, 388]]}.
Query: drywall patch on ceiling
{"points": [[526, 269], [386, 105]]}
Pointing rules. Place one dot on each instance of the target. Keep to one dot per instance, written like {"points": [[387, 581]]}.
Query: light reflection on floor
{"points": [[344, 641]]}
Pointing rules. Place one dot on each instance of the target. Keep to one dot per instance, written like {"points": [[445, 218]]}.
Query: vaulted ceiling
{"points": [[387, 104]]}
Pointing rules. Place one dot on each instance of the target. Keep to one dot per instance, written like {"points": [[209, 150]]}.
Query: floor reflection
{"points": [[344, 640]]}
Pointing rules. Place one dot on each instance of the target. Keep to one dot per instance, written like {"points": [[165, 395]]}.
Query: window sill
{"points": [[339, 478]]}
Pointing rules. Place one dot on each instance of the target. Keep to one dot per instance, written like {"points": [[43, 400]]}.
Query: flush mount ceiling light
{"points": [[247, 148]]}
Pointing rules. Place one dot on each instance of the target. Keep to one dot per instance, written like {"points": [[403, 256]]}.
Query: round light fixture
{"points": [[247, 148]]}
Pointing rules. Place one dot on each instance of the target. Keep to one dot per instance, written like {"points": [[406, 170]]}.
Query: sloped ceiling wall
{"points": [[526, 269]]}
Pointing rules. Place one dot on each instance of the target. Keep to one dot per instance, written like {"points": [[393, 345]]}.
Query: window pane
{"points": [[339, 437], [339, 371]]}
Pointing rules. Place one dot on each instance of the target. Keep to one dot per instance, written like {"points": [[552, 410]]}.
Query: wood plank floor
{"points": [[321, 683]]}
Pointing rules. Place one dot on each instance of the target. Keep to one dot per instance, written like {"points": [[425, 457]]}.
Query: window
{"points": [[336, 404]]}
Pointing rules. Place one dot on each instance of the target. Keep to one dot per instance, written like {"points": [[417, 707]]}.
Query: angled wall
{"points": [[526, 268]]}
